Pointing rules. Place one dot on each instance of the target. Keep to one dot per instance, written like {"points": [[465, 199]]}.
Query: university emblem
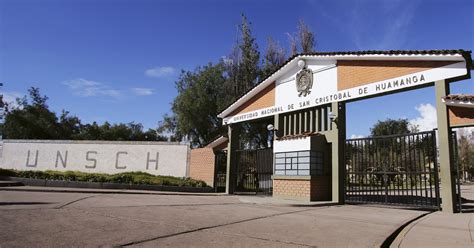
{"points": [[304, 81]]}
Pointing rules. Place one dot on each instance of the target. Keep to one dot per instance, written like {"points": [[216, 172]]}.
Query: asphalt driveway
{"points": [[52, 219]]}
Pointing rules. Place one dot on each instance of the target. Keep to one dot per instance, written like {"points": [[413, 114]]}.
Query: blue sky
{"points": [[117, 60]]}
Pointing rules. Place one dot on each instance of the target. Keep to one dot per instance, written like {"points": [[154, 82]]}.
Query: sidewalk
{"points": [[438, 230]]}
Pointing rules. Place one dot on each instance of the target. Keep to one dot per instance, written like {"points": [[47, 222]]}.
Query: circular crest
{"points": [[304, 82]]}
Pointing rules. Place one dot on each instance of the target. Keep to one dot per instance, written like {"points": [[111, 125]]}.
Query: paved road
{"points": [[49, 219]]}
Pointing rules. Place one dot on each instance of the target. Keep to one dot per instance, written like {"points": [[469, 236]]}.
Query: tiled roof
{"points": [[217, 141], [459, 97], [465, 53]]}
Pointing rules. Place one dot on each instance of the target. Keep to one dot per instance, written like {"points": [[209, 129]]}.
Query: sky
{"points": [[117, 60]]}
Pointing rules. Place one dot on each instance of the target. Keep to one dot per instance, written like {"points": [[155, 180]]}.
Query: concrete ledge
{"points": [[10, 183], [293, 198], [274, 177], [97, 185]]}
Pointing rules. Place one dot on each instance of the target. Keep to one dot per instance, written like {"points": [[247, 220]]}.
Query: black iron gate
{"points": [[396, 169], [220, 171], [254, 171]]}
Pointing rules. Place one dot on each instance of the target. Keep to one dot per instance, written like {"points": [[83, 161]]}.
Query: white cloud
{"points": [[357, 136], [143, 91], [88, 88], [427, 119], [158, 72]]}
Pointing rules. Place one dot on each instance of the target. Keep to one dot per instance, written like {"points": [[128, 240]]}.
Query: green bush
{"points": [[125, 177]]}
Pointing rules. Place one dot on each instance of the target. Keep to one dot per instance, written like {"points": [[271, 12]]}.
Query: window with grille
{"points": [[299, 163]]}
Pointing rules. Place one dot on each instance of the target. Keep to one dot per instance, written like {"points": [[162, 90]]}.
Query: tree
{"points": [[303, 41], [390, 126], [274, 57], [243, 67], [466, 153], [293, 44], [306, 37], [69, 127], [31, 120], [200, 97]]}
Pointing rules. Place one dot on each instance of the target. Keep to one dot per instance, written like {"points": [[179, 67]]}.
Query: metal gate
{"points": [[395, 169], [254, 171], [220, 171]]}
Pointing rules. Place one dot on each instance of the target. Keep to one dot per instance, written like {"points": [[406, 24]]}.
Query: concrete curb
{"points": [[97, 185], [10, 183], [103, 191], [396, 239]]}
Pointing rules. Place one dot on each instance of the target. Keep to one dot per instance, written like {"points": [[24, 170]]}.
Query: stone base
{"points": [[303, 188]]}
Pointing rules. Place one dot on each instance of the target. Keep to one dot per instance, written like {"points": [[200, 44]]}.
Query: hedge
{"points": [[125, 177]]}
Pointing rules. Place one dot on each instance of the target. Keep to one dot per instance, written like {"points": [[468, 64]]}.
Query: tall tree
{"points": [[390, 126], [303, 41], [306, 37], [293, 44], [274, 57], [243, 70], [200, 97]]}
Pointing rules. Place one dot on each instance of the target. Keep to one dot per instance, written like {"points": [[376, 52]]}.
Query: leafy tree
{"points": [[390, 126], [203, 93], [200, 97], [70, 127], [32, 119]]}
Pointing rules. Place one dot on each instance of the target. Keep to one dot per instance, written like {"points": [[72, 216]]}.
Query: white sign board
{"points": [[158, 158], [325, 90]]}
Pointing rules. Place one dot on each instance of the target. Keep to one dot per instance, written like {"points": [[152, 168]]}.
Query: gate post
{"points": [[445, 153], [233, 131], [337, 136]]}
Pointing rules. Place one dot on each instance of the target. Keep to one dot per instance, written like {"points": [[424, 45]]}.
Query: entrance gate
{"points": [[396, 169], [254, 171], [220, 171]]}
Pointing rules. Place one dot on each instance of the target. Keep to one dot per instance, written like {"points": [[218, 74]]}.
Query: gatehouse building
{"points": [[303, 105]]}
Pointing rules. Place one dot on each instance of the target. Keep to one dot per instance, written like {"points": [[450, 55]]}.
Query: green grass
{"points": [[125, 177]]}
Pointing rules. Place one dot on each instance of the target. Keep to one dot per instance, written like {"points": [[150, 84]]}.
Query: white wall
{"points": [[96, 156], [324, 83], [298, 144]]}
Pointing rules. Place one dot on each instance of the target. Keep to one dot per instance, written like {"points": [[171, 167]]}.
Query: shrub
{"points": [[125, 177]]}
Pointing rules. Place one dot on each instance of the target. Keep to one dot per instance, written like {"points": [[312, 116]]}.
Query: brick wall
{"points": [[459, 116], [263, 99], [201, 165], [353, 73], [292, 188], [318, 188]]}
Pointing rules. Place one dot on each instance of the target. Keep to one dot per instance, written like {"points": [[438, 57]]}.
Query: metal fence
{"points": [[396, 169], [254, 171]]}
